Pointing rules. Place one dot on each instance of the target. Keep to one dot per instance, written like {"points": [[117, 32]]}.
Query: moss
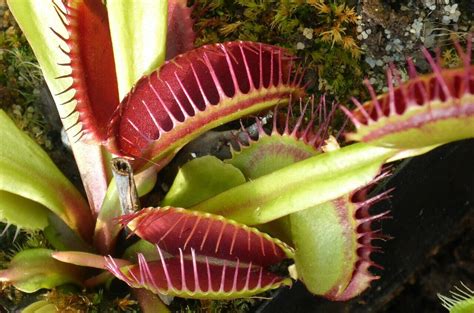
{"points": [[71, 301], [449, 58], [20, 80], [321, 33]]}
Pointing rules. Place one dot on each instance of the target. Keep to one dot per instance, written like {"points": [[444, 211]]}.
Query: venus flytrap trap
{"points": [[439, 104], [197, 91], [203, 241], [338, 273], [212, 257]]}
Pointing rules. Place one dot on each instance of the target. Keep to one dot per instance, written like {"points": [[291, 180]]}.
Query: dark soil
{"points": [[448, 265]]}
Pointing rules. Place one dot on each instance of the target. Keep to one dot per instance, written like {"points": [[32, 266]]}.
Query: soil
{"points": [[448, 266]]}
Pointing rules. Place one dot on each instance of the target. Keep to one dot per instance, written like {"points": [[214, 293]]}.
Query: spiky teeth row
{"points": [[292, 138], [191, 277], [94, 82]]}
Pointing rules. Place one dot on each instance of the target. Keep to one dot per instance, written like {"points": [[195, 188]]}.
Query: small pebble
{"points": [[300, 46], [370, 61], [308, 33], [165, 187], [446, 20]]}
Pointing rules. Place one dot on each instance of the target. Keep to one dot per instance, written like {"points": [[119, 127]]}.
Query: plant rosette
{"points": [[117, 98]]}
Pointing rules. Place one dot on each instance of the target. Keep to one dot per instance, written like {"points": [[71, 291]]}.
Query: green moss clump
{"points": [[70, 300], [20, 80], [320, 32]]}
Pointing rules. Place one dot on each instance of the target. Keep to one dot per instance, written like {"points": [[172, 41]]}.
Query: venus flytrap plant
{"points": [[213, 255], [272, 64]]}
